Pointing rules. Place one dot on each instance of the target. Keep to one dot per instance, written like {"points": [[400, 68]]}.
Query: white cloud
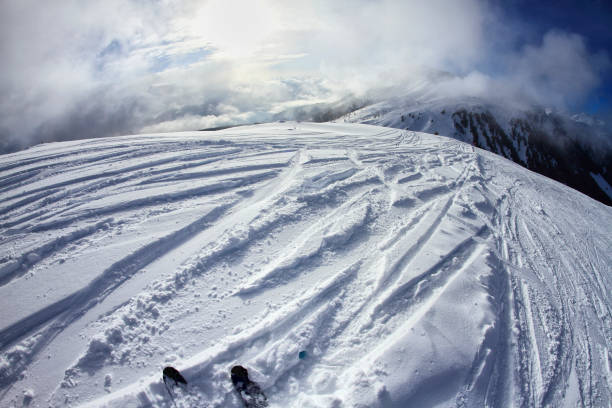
{"points": [[559, 70], [126, 66]]}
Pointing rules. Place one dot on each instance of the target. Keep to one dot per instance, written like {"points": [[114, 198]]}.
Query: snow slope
{"points": [[413, 270]]}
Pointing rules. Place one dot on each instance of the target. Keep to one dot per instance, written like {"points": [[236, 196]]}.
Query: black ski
{"points": [[251, 395], [175, 378]]}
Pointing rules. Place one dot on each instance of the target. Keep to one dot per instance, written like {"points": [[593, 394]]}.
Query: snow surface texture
{"points": [[344, 265]]}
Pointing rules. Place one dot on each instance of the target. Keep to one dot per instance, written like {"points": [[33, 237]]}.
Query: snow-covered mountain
{"points": [[574, 150], [344, 265]]}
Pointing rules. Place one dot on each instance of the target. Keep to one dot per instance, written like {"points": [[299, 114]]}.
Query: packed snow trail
{"points": [[343, 265]]}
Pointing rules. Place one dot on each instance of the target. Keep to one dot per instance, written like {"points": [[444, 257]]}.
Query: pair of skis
{"points": [[250, 393]]}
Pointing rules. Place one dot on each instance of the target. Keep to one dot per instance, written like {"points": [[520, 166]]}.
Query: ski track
{"points": [[368, 248]]}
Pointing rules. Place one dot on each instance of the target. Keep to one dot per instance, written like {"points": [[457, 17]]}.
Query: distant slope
{"points": [[412, 270], [576, 151]]}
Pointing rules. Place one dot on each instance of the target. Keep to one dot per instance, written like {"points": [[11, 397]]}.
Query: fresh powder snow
{"points": [[343, 265]]}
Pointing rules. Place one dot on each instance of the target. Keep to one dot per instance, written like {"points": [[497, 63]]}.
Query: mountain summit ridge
{"points": [[575, 150]]}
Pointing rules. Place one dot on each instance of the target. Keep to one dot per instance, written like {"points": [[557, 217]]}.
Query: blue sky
{"points": [[75, 69]]}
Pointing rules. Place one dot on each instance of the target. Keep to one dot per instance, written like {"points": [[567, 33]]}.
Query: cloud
{"points": [[86, 69], [560, 70], [53, 67]]}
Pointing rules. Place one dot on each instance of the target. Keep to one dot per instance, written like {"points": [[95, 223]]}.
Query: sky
{"points": [[75, 69]]}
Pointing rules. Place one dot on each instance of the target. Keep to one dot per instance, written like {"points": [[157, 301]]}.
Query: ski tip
{"points": [[174, 374], [239, 373]]}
